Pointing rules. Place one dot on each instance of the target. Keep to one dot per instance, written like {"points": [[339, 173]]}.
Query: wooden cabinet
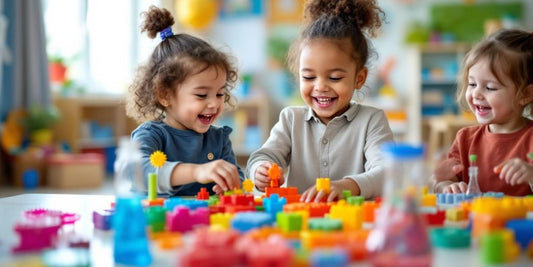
{"points": [[80, 114], [432, 84]]}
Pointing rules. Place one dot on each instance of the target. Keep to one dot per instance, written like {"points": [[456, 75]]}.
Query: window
{"points": [[99, 40]]}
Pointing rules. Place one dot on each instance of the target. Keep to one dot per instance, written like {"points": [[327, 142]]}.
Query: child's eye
{"points": [[201, 96], [220, 95], [309, 78], [491, 89], [335, 78], [471, 85]]}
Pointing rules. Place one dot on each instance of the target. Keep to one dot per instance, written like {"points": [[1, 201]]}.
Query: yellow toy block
{"points": [[248, 185], [429, 200], [350, 215], [323, 184], [455, 215], [221, 219]]}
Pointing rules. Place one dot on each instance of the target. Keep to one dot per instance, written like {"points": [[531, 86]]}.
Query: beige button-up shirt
{"points": [[347, 147]]}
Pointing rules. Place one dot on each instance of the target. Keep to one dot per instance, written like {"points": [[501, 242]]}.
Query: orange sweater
{"points": [[492, 149]]}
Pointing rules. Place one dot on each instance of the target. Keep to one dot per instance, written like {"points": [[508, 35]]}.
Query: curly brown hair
{"points": [[172, 61], [509, 52], [339, 20]]}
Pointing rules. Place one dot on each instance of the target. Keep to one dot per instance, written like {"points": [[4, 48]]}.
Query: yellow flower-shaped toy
{"points": [[158, 159]]}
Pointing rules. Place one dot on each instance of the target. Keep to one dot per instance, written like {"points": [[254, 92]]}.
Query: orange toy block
{"points": [[274, 173]]}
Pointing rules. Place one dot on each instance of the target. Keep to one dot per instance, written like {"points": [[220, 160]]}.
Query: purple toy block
{"points": [[102, 219]]}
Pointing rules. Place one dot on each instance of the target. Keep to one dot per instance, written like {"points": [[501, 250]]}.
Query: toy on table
{"points": [[248, 186], [40, 228], [473, 186], [274, 173], [157, 159]]}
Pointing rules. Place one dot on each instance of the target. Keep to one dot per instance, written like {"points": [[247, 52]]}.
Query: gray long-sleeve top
{"points": [[349, 146]]}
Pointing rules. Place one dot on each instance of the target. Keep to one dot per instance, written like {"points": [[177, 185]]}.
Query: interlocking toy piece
{"points": [[274, 204], [102, 219], [245, 221], [369, 210], [192, 204], [325, 224], [330, 257], [203, 194], [248, 185], [182, 219], [352, 241], [499, 247], [274, 173], [350, 215], [523, 230], [323, 184], [221, 220], [313, 209], [450, 237], [289, 222], [211, 248], [273, 251], [289, 193], [356, 200], [156, 218], [36, 235]]}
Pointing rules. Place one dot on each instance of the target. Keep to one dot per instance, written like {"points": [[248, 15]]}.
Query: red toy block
{"points": [[211, 249], [436, 219], [203, 194]]}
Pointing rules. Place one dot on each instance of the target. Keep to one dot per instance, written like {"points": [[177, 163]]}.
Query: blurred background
{"points": [[65, 66]]}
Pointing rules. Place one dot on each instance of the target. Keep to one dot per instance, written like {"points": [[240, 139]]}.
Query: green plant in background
{"points": [[41, 118], [277, 49], [417, 33]]}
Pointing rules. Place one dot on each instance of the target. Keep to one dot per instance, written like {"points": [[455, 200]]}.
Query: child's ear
{"points": [[360, 78], [162, 98], [528, 95]]}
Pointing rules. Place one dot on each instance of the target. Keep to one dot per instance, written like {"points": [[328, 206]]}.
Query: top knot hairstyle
{"points": [[176, 58], [339, 20]]}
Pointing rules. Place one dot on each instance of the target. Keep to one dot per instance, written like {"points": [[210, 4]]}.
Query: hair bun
{"points": [[156, 20], [363, 14]]}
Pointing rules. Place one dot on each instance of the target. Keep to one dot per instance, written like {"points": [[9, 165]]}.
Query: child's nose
{"points": [[320, 85]]}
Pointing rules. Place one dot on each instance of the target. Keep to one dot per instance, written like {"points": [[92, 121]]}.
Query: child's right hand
{"points": [[447, 169], [455, 188], [223, 173], [261, 178]]}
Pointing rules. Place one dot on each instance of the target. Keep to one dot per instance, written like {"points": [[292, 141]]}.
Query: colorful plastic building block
{"points": [[102, 219], [203, 194], [499, 247], [323, 184], [274, 204], [289, 222], [450, 237], [221, 220], [329, 257], [523, 231], [245, 221], [248, 186], [156, 218], [355, 200], [274, 173], [273, 251], [211, 248], [192, 204], [350, 215], [325, 224], [36, 235], [182, 219]]}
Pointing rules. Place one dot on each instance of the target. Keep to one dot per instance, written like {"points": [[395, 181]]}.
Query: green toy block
{"points": [[289, 222], [355, 200], [325, 224]]}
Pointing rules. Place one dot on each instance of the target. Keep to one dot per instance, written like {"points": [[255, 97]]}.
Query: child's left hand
{"points": [[335, 191], [515, 171]]}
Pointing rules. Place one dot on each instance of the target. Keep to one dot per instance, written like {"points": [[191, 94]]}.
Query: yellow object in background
{"points": [[12, 135], [196, 14]]}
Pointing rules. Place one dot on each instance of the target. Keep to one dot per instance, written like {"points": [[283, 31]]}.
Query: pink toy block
{"points": [[181, 219], [211, 249]]}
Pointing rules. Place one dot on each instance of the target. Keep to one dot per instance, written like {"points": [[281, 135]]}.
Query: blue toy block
{"points": [[192, 204], [459, 198], [523, 231], [245, 221], [329, 257], [274, 204]]}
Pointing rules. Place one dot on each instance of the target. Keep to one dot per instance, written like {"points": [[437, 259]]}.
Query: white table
{"points": [[101, 249]]}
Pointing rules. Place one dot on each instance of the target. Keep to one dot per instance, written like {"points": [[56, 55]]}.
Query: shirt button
{"points": [[324, 141], [325, 163]]}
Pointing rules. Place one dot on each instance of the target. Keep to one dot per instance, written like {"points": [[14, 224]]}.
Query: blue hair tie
{"points": [[165, 33]]}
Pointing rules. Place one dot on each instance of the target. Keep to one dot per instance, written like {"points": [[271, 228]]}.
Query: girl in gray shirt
{"points": [[333, 137]]}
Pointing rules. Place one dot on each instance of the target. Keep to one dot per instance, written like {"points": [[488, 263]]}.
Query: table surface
{"points": [[101, 249]]}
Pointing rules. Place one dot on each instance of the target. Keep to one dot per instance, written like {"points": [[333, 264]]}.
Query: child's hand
{"points": [[455, 188], [515, 171], [447, 169], [261, 178], [335, 191], [223, 173]]}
